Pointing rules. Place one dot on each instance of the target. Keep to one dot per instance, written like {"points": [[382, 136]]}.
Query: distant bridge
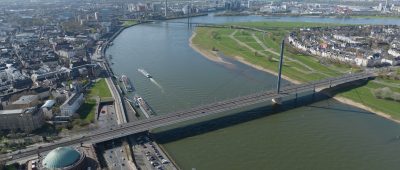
{"points": [[126, 129]]}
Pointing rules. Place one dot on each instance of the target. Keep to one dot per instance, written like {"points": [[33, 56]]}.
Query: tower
{"points": [[165, 9], [278, 84]]}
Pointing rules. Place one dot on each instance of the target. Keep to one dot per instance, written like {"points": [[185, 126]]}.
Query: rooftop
{"points": [[15, 111], [61, 157]]}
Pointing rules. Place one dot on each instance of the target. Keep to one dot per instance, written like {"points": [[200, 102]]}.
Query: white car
{"points": [[164, 161]]}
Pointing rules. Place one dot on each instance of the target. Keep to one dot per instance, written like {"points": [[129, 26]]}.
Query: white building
{"points": [[72, 104], [394, 52], [363, 61], [66, 53]]}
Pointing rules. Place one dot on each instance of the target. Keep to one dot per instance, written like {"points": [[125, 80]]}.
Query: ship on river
{"points": [[145, 73], [127, 83], [142, 104]]}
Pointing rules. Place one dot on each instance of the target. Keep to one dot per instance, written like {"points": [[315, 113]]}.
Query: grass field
{"points": [[220, 38], [300, 67], [100, 89], [88, 109], [129, 23]]}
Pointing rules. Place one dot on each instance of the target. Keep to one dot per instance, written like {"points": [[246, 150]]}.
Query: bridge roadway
{"points": [[180, 116]]}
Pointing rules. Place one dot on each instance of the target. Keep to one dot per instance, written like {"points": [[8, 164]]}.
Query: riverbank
{"points": [[206, 53], [213, 56], [361, 106]]}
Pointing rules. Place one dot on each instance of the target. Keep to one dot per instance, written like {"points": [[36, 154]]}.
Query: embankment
{"points": [[214, 57]]}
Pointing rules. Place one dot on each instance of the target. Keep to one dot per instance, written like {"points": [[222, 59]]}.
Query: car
{"points": [[160, 156], [122, 164], [122, 150], [154, 163], [164, 161], [159, 167], [147, 153]]}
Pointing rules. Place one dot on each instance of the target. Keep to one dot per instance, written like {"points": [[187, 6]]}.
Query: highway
{"points": [[196, 112]]}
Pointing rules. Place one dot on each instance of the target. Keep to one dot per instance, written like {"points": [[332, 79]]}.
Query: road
{"points": [[119, 109], [126, 129], [115, 156]]}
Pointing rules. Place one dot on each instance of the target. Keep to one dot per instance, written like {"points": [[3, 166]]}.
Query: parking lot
{"points": [[148, 155]]}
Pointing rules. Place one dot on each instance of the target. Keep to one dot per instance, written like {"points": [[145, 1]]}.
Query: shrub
{"points": [[386, 93], [396, 96], [215, 35]]}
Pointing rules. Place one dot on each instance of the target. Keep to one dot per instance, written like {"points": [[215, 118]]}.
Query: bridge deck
{"points": [[196, 112]]}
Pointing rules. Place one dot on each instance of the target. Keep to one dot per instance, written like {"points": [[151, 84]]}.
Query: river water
{"points": [[321, 135]]}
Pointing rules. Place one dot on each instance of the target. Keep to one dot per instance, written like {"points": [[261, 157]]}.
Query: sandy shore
{"points": [[206, 53], [361, 106], [214, 57]]}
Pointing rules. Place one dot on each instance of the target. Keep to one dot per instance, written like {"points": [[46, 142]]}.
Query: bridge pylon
{"points": [[278, 100]]}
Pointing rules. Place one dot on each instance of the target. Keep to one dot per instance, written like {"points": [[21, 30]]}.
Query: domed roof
{"points": [[61, 157]]}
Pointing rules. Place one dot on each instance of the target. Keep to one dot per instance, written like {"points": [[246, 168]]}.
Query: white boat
{"points": [[145, 73]]}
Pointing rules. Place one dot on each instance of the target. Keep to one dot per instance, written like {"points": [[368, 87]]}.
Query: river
{"points": [[322, 135]]}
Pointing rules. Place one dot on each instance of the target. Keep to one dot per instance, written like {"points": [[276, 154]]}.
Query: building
{"points": [[63, 158], [26, 101], [72, 104], [66, 158], [47, 108], [21, 119]]}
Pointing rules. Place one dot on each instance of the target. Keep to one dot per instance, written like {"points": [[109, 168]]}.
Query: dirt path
{"points": [[232, 36]]}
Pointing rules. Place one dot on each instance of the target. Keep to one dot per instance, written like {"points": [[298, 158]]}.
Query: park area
{"points": [[260, 47], [87, 111]]}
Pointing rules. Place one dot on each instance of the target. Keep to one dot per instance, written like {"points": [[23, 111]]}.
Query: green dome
{"points": [[61, 157]]}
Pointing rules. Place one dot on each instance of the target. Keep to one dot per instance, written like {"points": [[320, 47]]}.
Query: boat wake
{"points": [[157, 84]]}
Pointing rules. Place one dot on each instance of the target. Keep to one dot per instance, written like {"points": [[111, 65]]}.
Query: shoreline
{"points": [[206, 53], [362, 106], [215, 58]]}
